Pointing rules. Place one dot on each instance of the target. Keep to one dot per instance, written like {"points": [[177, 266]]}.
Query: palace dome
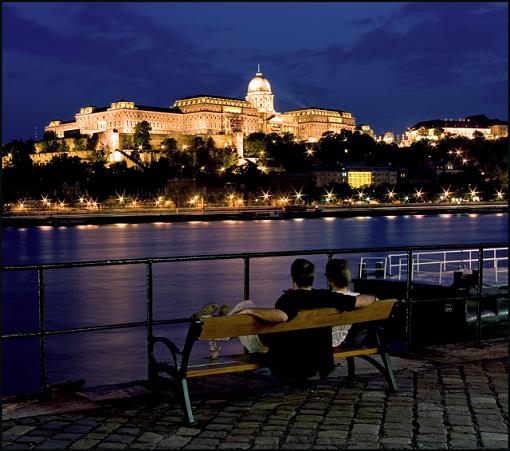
{"points": [[259, 84]]}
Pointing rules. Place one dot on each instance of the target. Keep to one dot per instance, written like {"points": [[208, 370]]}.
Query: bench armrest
{"points": [[172, 347]]}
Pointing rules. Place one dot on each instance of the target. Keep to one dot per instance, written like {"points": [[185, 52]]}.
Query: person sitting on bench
{"points": [[298, 355]]}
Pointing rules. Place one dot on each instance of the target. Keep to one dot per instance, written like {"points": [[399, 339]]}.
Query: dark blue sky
{"points": [[390, 64]]}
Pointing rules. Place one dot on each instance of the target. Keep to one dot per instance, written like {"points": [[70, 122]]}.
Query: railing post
{"points": [[479, 297], [149, 319], [246, 278], [408, 319], [42, 331]]}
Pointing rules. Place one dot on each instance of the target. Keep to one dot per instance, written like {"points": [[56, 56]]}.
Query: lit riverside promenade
{"points": [[451, 396]]}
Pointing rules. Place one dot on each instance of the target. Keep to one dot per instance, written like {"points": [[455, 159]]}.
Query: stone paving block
{"points": [[237, 439], [463, 429], [438, 437], [119, 438], [234, 445], [111, 445], [363, 429], [17, 431], [78, 429], [53, 444], [204, 442], [107, 427], [429, 429], [273, 441], [362, 445], [213, 434], [333, 434], [187, 431], [143, 445], [305, 425], [14, 446], [308, 418], [320, 442], [431, 445], [396, 440], [35, 439], [480, 400], [174, 442], [493, 436], [219, 427], [297, 439], [150, 437], [128, 431], [96, 435], [84, 444], [495, 444], [462, 443], [294, 446]]}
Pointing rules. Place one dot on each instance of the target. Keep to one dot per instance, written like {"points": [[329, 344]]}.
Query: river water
{"points": [[107, 295]]}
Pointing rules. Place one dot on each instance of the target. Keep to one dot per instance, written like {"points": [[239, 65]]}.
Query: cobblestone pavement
{"points": [[458, 404]]}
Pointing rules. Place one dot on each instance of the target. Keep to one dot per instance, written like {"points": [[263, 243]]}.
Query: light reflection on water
{"points": [[107, 295]]}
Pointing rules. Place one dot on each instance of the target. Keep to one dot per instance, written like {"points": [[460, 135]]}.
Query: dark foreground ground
{"points": [[453, 396]]}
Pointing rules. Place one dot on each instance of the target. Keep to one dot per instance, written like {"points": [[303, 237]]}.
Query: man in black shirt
{"points": [[298, 355]]}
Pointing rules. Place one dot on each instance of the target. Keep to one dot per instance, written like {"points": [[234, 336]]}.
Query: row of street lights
{"points": [[265, 198]]}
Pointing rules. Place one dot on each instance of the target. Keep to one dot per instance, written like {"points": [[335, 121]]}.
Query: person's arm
{"points": [[272, 315], [364, 300]]}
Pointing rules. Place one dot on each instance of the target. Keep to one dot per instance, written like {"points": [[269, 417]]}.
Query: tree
{"points": [[80, 144], [254, 145], [126, 142], [141, 135], [478, 135], [169, 145]]}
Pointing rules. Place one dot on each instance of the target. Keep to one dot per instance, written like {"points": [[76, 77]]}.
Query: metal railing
{"points": [[150, 322], [437, 263]]}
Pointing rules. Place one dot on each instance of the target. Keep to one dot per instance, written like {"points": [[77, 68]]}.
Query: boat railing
{"points": [[437, 263]]}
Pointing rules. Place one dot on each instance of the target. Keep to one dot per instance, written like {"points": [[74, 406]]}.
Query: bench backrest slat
{"points": [[238, 325]]}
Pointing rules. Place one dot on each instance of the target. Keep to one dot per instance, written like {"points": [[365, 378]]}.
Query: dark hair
{"points": [[302, 272], [338, 272]]}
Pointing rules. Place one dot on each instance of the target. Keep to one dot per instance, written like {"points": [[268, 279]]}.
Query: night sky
{"points": [[389, 64]]}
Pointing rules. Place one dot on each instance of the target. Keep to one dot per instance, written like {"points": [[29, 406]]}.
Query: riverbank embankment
{"points": [[114, 216]]}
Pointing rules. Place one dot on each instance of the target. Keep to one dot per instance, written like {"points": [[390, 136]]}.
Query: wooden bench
{"points": [[181, 369]]}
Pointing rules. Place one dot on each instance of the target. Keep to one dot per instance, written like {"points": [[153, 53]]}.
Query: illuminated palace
{"points": [[226, 120]]}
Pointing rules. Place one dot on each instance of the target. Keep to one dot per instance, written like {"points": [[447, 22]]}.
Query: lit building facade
{"points": [[358, 177], [468, 127], [226, 120]]}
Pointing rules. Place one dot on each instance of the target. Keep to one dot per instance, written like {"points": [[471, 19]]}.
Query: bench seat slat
{"points": [[238, 325], [250, 362]]}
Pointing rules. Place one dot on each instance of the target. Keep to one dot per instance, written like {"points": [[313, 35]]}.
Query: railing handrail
{"points": [[145, 260], [42, 333]]}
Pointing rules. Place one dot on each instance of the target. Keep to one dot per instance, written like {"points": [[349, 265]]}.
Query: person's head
{"points": [[303, 273], [338, 273]]}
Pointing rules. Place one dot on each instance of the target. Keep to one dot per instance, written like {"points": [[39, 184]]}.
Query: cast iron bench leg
{"points": [[390, 377], [186, 401]]}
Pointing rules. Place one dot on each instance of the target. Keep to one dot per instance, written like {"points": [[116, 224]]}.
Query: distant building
{"points": [[360, 175], [324, 177], [469, 127], [225, 119], [388, 137], [364, 128]]}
